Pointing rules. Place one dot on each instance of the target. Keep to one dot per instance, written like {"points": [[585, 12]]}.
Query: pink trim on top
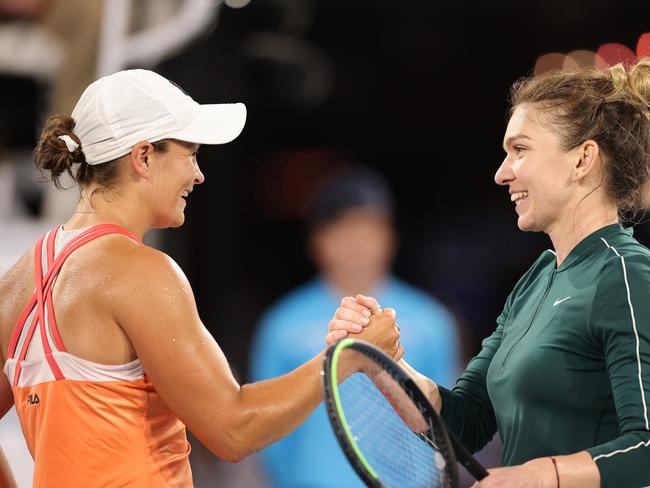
{"points": [[40, 312], [45, 291], [54, 330], [18, 330], [38, 250]]}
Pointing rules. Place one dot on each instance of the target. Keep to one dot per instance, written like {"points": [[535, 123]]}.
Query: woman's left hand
{"points": [[538, 473]]}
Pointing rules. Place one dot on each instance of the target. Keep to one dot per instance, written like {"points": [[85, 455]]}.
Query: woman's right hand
{"points": [[363, 316]]}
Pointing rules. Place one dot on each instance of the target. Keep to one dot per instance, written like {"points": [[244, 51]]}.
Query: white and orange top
{"points": [[87, 424]]}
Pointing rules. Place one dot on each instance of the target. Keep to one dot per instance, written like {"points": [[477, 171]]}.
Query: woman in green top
{"points": [[565, 377]]}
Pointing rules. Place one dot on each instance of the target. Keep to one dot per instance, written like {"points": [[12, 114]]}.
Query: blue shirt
{"points": [[293, 331]]}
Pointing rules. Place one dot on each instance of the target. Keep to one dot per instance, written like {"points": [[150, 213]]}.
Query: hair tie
{"points": [[70, 143]]}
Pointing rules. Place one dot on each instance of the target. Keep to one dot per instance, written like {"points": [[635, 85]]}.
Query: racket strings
{"points": [[392, 435]]}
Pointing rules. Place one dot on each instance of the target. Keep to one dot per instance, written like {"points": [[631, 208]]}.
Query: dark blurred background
{"points": [[417, 89]]}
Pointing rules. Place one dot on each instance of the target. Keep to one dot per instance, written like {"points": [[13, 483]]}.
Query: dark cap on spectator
{"points": [[356, 187]]}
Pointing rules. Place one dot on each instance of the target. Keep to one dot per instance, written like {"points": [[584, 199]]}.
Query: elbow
{"points": [[233, 455], [230, 450], [234, 443]]}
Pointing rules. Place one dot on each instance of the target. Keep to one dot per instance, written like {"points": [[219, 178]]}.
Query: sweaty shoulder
{"points": [[117, 273], [16, 287], [137, 267], [145, 279]]}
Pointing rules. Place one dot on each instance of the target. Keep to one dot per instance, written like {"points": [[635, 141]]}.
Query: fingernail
{"points": [[356, 328], [366, 312], [364, 320]]}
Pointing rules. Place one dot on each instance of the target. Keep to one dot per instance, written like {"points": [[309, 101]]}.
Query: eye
{"points": [[519, 149]]}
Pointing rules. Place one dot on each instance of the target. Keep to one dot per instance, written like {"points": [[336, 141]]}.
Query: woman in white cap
{"points": [[104, 353]]}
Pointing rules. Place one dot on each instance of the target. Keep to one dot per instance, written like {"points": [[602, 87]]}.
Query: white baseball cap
{"points": [[117, 111]]}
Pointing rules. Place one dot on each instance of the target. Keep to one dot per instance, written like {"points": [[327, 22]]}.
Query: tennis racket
{"points": [[387, 428]]}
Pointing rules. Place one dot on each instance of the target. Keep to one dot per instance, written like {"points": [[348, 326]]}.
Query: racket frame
{"points": [[342, 429]]}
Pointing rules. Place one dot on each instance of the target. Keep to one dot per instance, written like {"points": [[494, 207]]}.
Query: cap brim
{"points": [[215, 124]]}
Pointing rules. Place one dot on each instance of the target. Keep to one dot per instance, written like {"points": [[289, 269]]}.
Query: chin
{"points": [[170, 221], [178, 222], [525, 225]]}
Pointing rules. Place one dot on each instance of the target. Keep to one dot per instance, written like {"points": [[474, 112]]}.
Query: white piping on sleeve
{"points": [[636, 335], [620, 451]]}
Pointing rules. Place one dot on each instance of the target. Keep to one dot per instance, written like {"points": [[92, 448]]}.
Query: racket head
{"points": [[402, 441]]}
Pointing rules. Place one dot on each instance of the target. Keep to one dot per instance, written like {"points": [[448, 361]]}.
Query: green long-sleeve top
{"points": [[568, 367]]}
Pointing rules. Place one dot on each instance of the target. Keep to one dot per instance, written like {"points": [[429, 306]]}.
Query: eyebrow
{"points": [[510, 140]]}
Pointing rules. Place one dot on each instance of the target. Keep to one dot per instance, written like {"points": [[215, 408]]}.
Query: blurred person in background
{"points": [[352, 242], [107, 385]]}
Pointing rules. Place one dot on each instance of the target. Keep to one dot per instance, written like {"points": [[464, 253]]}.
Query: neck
{"points": [[108, 208], [578, 224]]}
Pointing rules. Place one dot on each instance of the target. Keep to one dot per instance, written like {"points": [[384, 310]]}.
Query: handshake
{"points": [[363, 317]]}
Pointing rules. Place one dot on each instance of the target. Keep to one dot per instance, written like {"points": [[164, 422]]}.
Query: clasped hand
{"points": [[363, 317]]}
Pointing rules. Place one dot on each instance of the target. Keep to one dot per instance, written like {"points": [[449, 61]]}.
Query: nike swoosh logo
{"points": [[558, 301]]}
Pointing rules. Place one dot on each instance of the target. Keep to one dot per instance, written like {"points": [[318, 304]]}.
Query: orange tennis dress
{"points": [[87, 424]]}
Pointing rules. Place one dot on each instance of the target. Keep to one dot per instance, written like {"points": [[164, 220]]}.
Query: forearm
{"points": [[467, 409], [571, 471], [426, 385], [471, 419], [577, 471], [268, 410], [6, 476]]}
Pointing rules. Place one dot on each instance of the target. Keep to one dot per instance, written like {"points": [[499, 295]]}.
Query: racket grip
{"points": [[464, 457]]}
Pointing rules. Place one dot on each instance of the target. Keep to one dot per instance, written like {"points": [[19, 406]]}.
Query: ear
{"points": [[139, 159], [588, 158]]}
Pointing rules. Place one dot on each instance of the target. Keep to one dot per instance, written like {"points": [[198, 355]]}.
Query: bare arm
{"points": [[6, 402], [427, 385], [191, 373], [6, 476]]}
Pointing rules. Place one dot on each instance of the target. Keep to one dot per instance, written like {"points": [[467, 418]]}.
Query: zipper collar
{"points": [[586, 246]]}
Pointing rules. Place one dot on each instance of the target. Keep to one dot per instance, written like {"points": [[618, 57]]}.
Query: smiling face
{"points": [[173, 174], [537, 172]]}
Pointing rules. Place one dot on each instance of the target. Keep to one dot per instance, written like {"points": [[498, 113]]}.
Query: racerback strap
{"points": [[43, 294]]}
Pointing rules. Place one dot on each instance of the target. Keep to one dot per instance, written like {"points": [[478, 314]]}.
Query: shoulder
{"points": [[15, 275], [621, 285], [16, 286], [623, 256], [136, 261], [114, 270]]}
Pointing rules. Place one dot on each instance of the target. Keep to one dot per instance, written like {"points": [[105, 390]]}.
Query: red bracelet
{"points": [[557, 474]]}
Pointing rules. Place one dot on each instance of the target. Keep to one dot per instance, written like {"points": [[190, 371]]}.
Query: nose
{"points": [[198, 175], [504, 174]]}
